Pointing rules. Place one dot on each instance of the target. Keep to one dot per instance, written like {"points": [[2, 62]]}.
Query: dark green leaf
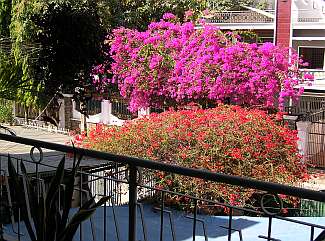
{"points": [[55, 183], [69, 189], [19, 192], [101, 202]]}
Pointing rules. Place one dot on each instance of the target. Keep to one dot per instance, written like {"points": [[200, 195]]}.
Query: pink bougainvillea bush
{"points": [[225, 139], [172, 64]]}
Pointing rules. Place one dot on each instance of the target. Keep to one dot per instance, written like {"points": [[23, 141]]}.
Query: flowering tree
{"points": [[257, 146], [172, 64]]}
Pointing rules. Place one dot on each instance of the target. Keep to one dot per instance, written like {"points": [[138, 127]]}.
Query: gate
{"points": [[311, 107], [316, 139]]}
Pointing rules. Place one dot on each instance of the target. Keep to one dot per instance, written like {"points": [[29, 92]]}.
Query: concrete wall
{"points": [[105, 116], [70, 117]]}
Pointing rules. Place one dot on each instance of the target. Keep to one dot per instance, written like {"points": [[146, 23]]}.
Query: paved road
{"points": [[50, 157], [14, 148]]}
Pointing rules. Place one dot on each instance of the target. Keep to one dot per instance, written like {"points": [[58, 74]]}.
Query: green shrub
{"points": [[6, 113]]}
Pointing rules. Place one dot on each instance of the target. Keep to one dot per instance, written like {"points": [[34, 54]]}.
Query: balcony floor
{"points": [[251, 227]]}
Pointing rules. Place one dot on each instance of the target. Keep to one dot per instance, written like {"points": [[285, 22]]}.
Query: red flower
{"points": [[232, 140], [236, 153]]}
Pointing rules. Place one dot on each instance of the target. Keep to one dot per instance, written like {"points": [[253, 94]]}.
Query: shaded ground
{"points": [[251, 227]]}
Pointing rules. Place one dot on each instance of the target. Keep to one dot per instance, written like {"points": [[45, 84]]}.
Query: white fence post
{"points": [[303, 128], [61, 113], [106, 112], [143, 112]]}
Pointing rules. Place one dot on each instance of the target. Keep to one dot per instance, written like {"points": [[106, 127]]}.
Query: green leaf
{"points": [[33, 204], [79, 217], [73, 225], [69, 193], [55, 183], [19, 192], [101, 202]]}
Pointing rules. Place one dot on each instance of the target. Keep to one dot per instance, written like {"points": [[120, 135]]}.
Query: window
{"points": [[313, 56]]}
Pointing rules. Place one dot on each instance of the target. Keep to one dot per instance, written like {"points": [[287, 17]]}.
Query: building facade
{"points": [[299, 24]]}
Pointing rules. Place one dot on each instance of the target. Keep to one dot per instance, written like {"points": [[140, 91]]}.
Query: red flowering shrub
{"points": [[226, 139]]}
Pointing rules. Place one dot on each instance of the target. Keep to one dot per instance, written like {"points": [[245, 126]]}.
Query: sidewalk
{"points": [[6, 147]]}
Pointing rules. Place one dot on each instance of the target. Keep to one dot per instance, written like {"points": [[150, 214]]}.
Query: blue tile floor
{"points": [[251, 227]]}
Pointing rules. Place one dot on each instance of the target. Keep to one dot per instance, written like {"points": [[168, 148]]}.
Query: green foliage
{"points": [[23, 33], [10, 76], [5, 16], [43, 211], [223, 5], [56, 43], [71, 37], [265, 4], [138, 14], [6, 115], [247, 36]]}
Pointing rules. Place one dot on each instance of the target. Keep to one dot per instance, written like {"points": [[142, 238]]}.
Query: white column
{"points": [[303, 128], [106, 112], [61, 114], [143, 112]]}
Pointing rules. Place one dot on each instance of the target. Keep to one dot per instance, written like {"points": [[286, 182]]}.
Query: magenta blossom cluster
{"points": [[172, 64]]}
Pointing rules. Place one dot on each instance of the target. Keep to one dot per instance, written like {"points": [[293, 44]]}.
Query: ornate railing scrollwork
{"points": [[269, 203]]}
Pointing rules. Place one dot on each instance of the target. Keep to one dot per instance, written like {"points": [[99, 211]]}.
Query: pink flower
{"points": [[188, 14], [174, 64], [206, 12], [308, 77], [167, 16]]}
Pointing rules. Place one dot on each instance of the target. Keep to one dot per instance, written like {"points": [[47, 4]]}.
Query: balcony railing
{"points": [[319, 74], [239, 17], [248, 16], [130, 185], [308, 16], [120, 109]]}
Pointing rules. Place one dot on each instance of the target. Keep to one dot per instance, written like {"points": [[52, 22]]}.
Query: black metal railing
{"points": [[120, 109], [307, 105], [239, 17], [94, 106], [315, 139], [135, 201]]}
